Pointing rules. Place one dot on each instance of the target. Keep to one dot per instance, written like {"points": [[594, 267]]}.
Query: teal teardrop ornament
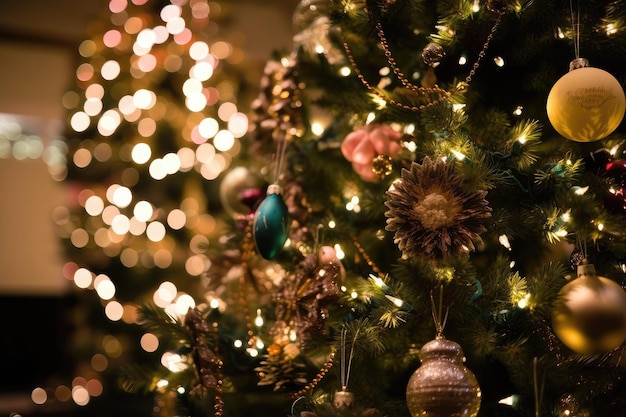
{"points": [[271, 224]]}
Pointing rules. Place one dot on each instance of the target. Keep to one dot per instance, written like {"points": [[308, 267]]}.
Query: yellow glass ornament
{"points": [[442, 386], [589, 315], [586, 104]]}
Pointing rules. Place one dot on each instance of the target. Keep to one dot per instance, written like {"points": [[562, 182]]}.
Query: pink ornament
{"points": [[363, 145], [327, 254]]}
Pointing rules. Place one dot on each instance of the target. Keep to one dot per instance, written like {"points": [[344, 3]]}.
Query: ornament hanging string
{"points": [[343, 367], [538, 390], [281, 145], [437, 311], [575, 27]]}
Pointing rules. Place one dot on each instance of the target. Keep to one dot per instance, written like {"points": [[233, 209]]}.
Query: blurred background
{"points": [[39, 42]]}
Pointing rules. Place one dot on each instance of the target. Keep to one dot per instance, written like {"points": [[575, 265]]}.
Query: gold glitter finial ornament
{"points": [[442, 386]]}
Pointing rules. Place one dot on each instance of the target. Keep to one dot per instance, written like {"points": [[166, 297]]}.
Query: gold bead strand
{"points": [[367, 258], [367, 85], [247, 253], [426, 91], [219, 389], [483, 51], [318, 378]]}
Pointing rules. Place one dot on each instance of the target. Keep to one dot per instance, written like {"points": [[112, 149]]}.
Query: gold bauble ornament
{"points": [[589, 314], [442, 386], [586, 104], [240, 191]]}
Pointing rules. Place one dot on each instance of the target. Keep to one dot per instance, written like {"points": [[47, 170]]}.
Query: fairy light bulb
{"points": [[258, 321]]}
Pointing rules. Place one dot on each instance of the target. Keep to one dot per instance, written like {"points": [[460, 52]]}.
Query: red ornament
{"points": [[363, 145], [616, 198]]}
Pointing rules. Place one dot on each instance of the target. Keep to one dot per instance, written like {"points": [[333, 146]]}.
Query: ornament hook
{"points": [[437, 312]]}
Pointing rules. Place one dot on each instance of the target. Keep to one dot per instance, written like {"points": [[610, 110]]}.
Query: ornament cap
{"points": [[578, 63], [586, 269], [273, 189]]}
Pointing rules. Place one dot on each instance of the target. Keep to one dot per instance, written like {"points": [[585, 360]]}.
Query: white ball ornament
{"points": [[586, 104]]}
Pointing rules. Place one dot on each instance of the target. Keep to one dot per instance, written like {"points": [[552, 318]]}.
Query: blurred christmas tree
{"points": [[394, 234]]}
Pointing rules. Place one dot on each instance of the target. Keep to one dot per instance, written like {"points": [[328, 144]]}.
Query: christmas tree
{"points": [[425, 218]]}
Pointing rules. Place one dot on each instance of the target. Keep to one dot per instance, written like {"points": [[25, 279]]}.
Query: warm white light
{"points": [[208, 127], [226, 111], [105, 289], [196, 101], [146, 38], [175, 25], [94, 205], [611, 29], [258, 321], [345, 71], [171, 163], [144, 99], [141, 153], [167, 291], [122, 197], [157, 169], [317, 128], [504, 241], [523, 303], [155, 231], [458, 155], [202, 71], [499, 61], [80, 395], [205, 153], [176, 219], [223, 140], [39, 396], [110, 70], [109, 121], [173, 362], [238, 124], [120, 224], [114, 311], [83, 278], [184, 303], [143, 211], [92, 106], [80, 121], [198, 50]]}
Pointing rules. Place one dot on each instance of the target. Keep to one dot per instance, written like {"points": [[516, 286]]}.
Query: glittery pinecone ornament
{"points": [[277, 109], [303, 298]]}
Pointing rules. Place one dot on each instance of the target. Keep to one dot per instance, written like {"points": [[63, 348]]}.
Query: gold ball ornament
{"points": [[240, 190], [589, 314], [442, 386], [586, 104]]}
